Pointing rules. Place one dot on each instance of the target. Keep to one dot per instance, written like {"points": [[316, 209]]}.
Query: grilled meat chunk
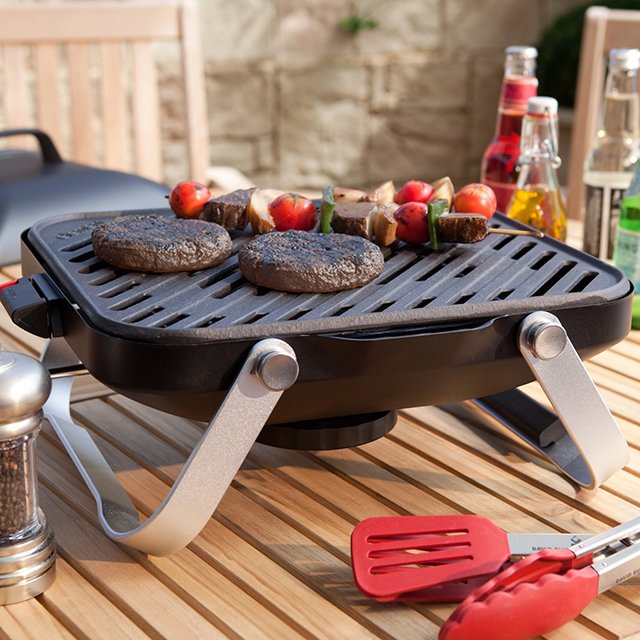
{"points": [[462, 227], [160, 244], [354, 218], [385, 224], [310, 262], [229, 210]]}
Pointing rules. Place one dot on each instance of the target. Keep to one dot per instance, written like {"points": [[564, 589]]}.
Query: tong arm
{"points": [[621, 564], [595, 543]]}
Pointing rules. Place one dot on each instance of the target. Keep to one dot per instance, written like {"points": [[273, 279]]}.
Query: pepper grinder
{"points": [[27, 549]]}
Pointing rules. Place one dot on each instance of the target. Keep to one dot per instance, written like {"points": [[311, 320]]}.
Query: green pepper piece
{"points": [[327, 209], [434, 210]]}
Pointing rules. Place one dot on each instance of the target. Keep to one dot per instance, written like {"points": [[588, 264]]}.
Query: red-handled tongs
{"points": [[547, 589]]}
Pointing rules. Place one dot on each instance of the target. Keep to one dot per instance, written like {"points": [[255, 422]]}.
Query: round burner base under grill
{"points": [[329, 433]]}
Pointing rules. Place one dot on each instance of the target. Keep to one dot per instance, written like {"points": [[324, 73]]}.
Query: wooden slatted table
{"points": [[274, 560]]}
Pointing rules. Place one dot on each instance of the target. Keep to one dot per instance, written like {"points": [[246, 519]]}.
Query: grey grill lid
{"points": [[501, 275]]}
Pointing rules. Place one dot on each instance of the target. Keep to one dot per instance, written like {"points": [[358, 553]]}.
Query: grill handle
{"points": [[269, 369], [33, 304]]}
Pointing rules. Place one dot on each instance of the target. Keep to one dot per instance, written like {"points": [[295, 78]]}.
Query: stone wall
{"points": [[294, 101]]}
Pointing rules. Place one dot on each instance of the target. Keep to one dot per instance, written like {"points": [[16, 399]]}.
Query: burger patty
{"points": [[160, 244], [304, 262]]}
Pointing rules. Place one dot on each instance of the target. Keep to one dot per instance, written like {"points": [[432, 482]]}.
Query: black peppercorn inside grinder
{"points": [[27, 550]]}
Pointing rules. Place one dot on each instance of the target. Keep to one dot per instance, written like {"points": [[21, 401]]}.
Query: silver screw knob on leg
{"points": [[277, 369], [545, 336]]}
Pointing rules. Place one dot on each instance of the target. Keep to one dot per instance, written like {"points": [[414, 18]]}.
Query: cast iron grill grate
{"points": [[502, 274]]}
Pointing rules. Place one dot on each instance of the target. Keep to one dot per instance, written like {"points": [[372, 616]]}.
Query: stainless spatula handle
{"points": [[270, 368]]}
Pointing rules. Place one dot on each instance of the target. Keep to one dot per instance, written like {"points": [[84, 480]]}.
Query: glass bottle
{"points": [[537, 200], [609, 164], [626, 255], [499, 162]]}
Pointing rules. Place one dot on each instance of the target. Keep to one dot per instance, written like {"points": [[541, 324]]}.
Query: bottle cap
{"points": [[530, 53], [624, 59], [542, 105]]}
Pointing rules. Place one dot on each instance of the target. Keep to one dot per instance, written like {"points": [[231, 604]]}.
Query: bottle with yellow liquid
{"points": [[537, 200]]}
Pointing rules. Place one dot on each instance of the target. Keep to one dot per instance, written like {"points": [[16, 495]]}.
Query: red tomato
{"points": [[414, 191], [291, 211], [412, 222], [188, 198], [476, 198]]}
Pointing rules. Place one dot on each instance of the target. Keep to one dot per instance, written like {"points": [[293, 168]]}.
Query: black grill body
{"points": [[434, 327]]}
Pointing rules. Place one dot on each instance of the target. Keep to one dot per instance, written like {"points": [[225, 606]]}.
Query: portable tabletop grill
{"points": [[325, 370]]}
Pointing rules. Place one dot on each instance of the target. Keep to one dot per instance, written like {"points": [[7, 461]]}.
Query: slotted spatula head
{"points": [[426, 558]]}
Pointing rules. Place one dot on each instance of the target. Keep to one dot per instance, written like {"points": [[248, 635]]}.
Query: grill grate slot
{"points": [[522, 252], [432, 272], [216, 277], [466, 271], [83, 257], [255, 317], [540, 262], [230, 287], [463, 299], [131, 302], [554, 279], [397, 273], [77, 245], [93, 267], [341, 310], [104, 279], [208, 322], [169, 322], [298, 314], [584, 282], [503, 295], [425, 302], [498, 246], [381, 307], [123, 288], [144, 315]]}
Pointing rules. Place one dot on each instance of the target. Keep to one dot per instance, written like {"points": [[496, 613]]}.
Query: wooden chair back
{"points": [[87, 73], [604, 29]]}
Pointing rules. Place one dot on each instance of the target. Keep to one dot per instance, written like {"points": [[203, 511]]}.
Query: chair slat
{"points": [[84, 143], [197, 129], [114, 107], [146, 112], [17, 113], [47, 70]]}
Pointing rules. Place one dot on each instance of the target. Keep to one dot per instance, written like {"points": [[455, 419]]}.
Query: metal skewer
{"points": [[517, 232]]}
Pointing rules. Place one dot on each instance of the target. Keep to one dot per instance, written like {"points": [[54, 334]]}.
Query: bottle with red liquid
{"points": [[500, 160]]}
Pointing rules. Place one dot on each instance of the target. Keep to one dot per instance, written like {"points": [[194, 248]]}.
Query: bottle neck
{"points": [[620, 113], [539, 137], [539, 150], [516, 91]]}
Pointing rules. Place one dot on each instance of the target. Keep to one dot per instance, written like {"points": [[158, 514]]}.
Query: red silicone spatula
{"points": [[436, 558]]}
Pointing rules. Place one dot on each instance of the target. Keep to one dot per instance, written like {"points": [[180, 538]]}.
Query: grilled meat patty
{"points": [[304, 262], [160, 244]]}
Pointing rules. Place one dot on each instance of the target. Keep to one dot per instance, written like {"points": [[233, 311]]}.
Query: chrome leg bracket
{"points": [[582, 439], [270, 368]]}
